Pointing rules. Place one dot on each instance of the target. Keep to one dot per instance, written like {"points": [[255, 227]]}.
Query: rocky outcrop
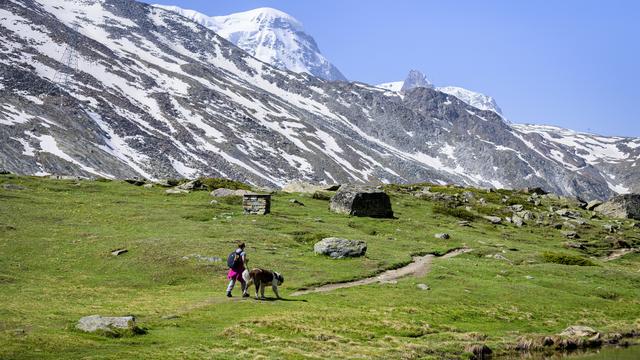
{"points": [[338, 248], [621, 207], [362, 201]]}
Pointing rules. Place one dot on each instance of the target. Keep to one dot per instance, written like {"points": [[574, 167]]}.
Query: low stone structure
{"points": [[361, 201], [256, 204], [621, 207]]}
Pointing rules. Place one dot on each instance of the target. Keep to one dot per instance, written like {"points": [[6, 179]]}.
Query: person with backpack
{"points": [[236, 262]]}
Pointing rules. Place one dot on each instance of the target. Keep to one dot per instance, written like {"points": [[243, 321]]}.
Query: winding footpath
{"points": [[420, 266]]}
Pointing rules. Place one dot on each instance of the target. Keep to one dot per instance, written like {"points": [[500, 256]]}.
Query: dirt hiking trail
{"points": [[420, 266]]}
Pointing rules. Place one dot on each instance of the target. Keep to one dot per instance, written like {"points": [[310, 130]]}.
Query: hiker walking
{"points": [[236, 262]]}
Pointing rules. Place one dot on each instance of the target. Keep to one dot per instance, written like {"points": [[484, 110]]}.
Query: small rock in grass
{"points": [[529, 277], [176, 191], [579, 331], [517, 208], [443, 236], [296, 202], [464, 223], [147, 186], [493, 219], [423, 287], [571, 234], [517, 221], [213, 202], [119, 252]]}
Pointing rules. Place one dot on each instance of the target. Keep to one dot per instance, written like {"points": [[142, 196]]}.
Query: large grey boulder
{"points": [[361, 201], [621, 207], [338, 248], [222, 192], [108, 325], [307, 188]]}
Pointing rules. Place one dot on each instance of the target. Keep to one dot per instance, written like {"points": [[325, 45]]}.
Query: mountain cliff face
{"points": [[269, 35], [158, 95], [418, 79]]}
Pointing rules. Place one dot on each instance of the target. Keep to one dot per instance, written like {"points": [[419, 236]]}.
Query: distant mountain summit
{"points": [[270, 35], [417, 79]]}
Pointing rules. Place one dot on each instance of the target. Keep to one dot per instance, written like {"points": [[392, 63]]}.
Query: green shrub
{"points": [[566, 259], [217, 183], [456, 212]]}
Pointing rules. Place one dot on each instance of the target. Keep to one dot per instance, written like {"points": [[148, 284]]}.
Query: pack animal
{"points": [[261, 278]]}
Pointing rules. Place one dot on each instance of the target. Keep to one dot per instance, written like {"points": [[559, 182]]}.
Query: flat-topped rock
{"points": [[109, 325], [338, 248], [362, 201]]}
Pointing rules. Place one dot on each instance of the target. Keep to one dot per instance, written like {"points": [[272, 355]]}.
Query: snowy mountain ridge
{"points": [[475, 99], [158, 95], [269, 35]]}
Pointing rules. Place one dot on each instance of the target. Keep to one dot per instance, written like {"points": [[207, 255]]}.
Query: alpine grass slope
{"points": [[158, 95]]}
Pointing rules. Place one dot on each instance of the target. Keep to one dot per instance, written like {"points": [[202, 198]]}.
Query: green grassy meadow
{"points": [[56, 267]]}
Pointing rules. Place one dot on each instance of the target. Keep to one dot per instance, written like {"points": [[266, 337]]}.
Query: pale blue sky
{"points": [[569, 63]]}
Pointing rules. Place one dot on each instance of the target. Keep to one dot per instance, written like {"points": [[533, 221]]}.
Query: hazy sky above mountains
{"points": [[574, 64]]}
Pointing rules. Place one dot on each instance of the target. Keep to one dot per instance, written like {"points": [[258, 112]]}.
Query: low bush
{"points": [[456, 212], [566, 259], [217, 183]]}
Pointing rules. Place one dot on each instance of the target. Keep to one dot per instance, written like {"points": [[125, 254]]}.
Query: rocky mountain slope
{"points": [[269, 35], [158, 95], [417, 79]]}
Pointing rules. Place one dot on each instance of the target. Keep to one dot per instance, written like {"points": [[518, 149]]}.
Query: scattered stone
{"points": [[534, 191], [119, 252], [167, 182], [338, 248], [593, 204], [443, 236], [528, 277], [480, 352], [468, 196], [464, 223], [517, 221], [136, 181], [13, 187], [213, 202], [578, 331], [622, 207], [573, 245], [108, 325], [176, 191], [147, 186], [611, 228], [296, 202], [493, 219], [557, 226], [192, 185], [209, 259], [517, 208], [568, 213], [361, 201], [526, 215], [571, 234], [423, 287]]}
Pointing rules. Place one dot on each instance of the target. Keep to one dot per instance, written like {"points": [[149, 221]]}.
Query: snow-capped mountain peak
{"points": [[418, 79], [270, 35]]}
